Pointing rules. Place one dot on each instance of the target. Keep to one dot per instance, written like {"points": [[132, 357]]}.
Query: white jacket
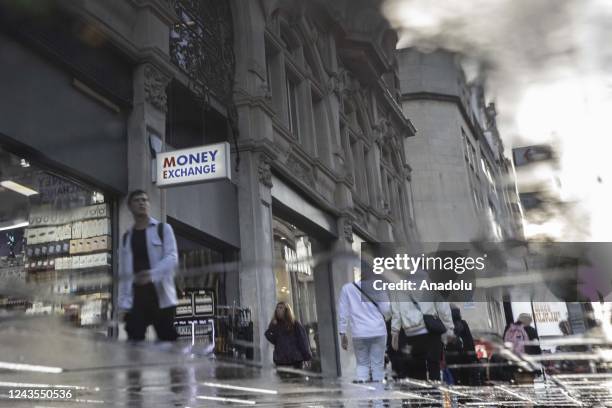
{"points": [[405, 315], [163, 259], [364, 319]]}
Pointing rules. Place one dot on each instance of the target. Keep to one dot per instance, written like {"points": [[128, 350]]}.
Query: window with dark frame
{"points": [[293, 108]]}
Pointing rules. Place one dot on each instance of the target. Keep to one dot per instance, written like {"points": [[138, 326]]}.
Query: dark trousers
{"points": [[146, 312], [418, 357]]}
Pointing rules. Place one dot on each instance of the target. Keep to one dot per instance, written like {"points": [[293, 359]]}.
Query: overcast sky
{"points": [[549, 70]]}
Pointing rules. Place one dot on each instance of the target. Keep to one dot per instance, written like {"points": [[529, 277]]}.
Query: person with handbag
{"points": [[418, 330], [291, 344], [366, 319]]}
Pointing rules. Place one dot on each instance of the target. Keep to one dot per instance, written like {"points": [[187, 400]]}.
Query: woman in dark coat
{"points": [[291, 345], [462, 351]]}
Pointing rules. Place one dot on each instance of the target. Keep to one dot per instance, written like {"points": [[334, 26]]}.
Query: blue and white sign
{"points": [[193, 165]]}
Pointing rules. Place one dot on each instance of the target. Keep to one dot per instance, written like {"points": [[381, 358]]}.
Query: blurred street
{"points": [[105, 373], [193, 192]]}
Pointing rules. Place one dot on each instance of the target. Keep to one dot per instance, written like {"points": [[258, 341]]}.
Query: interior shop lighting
{"points": [[18, 188], [97, 197], [18, 225]]}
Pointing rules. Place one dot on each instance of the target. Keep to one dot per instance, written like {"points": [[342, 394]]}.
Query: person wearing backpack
{"points": [[366, 320], [532, 334], [521, 332], [147, 262], [516, 337]]}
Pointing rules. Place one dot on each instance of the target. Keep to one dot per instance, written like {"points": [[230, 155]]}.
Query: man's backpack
{"points": [[160, 233], [517, 336]]}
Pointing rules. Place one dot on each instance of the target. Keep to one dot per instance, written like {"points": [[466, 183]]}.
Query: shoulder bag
{"points": [[433, 324]]}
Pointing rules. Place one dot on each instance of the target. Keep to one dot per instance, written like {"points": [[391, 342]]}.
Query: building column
{"points": [[148, 118], [151, 37], [254, 176], [342, 265], [257, 283]]}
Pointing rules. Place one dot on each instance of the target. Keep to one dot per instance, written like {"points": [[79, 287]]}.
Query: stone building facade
{"points": [[323, 163], [464, 186], [305, 92]]}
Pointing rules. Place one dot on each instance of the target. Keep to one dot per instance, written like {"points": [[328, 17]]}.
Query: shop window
{"points": [[55, 244], [294, 277], [207, 288], [195, 263]]}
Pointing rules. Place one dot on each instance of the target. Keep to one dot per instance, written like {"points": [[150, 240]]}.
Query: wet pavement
{"points": [[44, 355]]}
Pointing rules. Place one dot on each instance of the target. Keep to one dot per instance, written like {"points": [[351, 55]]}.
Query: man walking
{"points": [[148, 258], [366, 319]]}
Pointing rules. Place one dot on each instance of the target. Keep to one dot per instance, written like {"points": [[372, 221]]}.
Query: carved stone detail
{"points": [[339, 81], [300, 170], [264, 92], [155, 83], [382, 131], [264, 171], [348, 231], [361, 218]]}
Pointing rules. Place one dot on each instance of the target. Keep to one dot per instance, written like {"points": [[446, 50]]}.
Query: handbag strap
{"points": [[419, 307], [415, 303], [370, 299]]}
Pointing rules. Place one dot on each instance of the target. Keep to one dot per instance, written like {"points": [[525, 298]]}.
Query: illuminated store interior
{"points": [[55, 244]]}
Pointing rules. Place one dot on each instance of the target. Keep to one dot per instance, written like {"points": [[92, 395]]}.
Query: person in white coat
{"points": [[418, 353], [366, 319]]}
